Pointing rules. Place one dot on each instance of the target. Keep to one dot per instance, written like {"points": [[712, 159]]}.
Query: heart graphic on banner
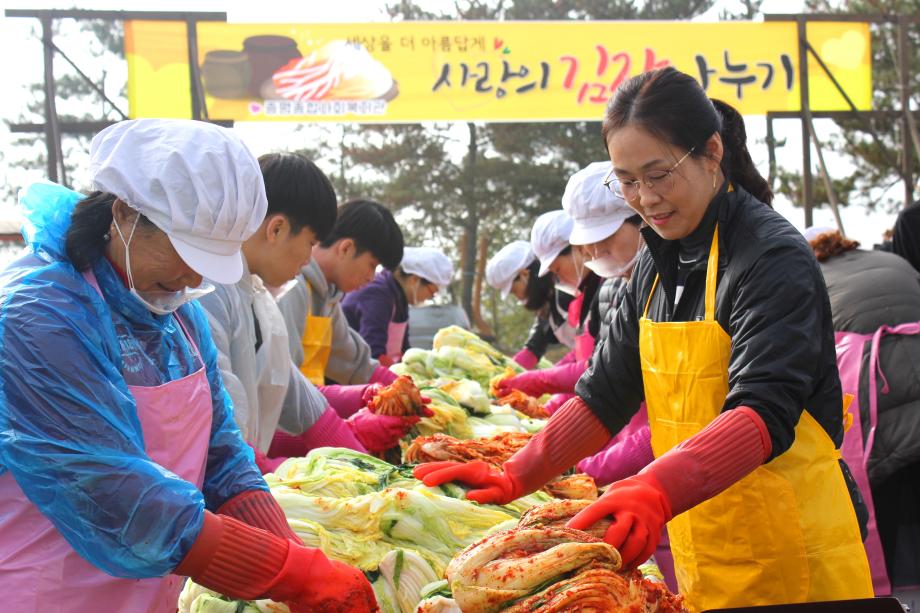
{"points": [[255, 108], [497, 43]]}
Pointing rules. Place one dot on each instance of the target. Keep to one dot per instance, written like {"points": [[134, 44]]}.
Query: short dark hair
{"points": [[299, 190], [672, 106], [539, 290], [372, 227]]}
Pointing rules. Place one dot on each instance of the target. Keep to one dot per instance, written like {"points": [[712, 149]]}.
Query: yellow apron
{"points": [[316, 342], [787, 532]]}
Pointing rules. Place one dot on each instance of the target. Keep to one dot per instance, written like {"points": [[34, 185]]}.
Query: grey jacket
{"points": [[234, 329], [870, 289], [350, 360]]}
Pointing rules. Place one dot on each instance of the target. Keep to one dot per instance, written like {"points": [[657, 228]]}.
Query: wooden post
{"points": [[484, 328], [52, 130], [807, 194], [771, 148], [199, 105], [828, 184]]}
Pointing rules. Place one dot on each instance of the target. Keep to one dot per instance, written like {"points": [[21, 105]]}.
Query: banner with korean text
{"points": [[482, 71]]}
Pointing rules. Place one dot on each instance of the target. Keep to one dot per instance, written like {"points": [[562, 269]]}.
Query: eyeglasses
{"points": [[659, 181]]}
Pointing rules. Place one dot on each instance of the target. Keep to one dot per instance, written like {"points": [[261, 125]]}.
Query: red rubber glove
{"points": [[329, 586], [379, 432], [248, 563], [704, 465], [556, 380], [572, 433], [259, 508], [638, 508], [490, 484]]}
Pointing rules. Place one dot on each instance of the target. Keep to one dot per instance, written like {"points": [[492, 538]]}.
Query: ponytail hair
{"points": [[737, 164], [672, 106]]}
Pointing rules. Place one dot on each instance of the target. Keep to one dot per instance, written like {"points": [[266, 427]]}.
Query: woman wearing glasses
{"points": [[726, 333]]}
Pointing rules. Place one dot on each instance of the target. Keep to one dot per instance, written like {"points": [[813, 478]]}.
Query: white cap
{"points": [[549, 236], [429, 264], [813, 232], [596, 211], [503, 267], [195, 181]]}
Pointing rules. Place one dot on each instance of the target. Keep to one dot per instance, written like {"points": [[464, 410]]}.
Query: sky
{"points": [[16, 42]]}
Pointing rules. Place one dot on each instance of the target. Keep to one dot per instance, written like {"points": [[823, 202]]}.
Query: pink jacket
{"points": [[625, 455]]}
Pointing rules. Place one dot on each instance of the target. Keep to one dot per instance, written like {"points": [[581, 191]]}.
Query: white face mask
{"points": [[608, 267], [159, 302], [565, 287]]}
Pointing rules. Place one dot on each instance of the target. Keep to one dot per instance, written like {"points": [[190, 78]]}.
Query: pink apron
{"points": [[584, 342], [396, 332], [176, 421], [850, 347]]}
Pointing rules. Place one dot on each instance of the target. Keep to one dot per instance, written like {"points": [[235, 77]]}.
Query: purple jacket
{"points": [[625, 455], [370, 310]]}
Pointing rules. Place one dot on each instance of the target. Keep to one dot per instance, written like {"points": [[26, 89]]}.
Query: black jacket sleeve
{"points": [[541, 337], [612, 383], [779, 324]]}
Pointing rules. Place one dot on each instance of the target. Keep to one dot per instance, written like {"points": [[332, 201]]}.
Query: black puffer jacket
{"points": [[604, 306], [870, 289], [770, 299], [553, 315]]}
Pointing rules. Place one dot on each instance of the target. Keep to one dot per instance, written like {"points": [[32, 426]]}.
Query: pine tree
{"points": [[455, 184], [872, 145], [75, 98]]}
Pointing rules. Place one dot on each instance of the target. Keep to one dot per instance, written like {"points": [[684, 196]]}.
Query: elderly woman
{"points": [[121, 467]]}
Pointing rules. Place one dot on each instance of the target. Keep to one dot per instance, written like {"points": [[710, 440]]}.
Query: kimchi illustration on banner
{"points": [[272, 68]]}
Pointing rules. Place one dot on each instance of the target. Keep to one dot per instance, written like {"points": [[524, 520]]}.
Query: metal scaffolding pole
{"points": [[52, 127], [807, 187]]}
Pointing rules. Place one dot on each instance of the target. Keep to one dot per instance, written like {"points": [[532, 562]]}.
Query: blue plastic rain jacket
{"points": [[69, 431]]}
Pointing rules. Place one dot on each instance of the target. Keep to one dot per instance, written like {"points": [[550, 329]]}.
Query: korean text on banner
{"points": [[488, 71]]}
